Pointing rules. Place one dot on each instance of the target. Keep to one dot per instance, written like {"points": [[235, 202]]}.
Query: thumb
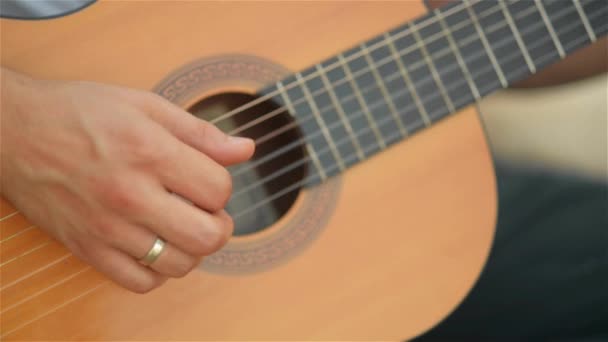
{"points": [[202, 135]]}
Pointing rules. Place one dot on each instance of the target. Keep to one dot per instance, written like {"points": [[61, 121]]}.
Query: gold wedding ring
{"points": [[153, 253]]}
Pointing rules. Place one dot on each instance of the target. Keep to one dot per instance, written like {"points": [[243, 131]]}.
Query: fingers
{"points": [[136, 241], [199, 134], [196, 177], [121, 268], [186, 227], [190, 229], [145, 202]]}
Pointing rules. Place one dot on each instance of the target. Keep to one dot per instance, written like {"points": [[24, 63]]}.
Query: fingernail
{"points": [[238, 140]]}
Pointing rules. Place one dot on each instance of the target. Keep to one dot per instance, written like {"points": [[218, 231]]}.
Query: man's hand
{"points": [[100, 167]]}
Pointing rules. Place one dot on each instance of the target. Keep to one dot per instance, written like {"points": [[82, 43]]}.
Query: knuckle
{"points": [[142, 148], [103, 229], [117, 193], [202, 129]]}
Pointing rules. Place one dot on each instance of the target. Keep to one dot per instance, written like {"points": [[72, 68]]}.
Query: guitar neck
{"points": [[361, 101]]}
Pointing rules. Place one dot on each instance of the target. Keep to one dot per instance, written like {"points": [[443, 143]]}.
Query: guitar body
{"points": [[399, 241]]}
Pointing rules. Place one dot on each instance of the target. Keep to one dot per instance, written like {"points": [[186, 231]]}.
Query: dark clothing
{"points": [[547, 275]]}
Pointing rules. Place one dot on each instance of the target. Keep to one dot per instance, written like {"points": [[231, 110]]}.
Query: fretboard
{"points": [[382, 91]]}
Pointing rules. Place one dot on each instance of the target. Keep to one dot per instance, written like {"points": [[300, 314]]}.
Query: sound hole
{"points": [[255, 203]]}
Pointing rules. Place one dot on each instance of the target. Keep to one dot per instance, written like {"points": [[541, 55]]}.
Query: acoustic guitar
{"points": [[369, 208]]}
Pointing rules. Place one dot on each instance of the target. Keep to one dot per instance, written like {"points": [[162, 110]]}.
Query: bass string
{"points": [[344, 140], [357, 73], [548, 55], [388, 119], [373, 47], [362, 71], [456, 9], [298, 121], [397, 95], [15, 235], [88, 291], [243, 168]]}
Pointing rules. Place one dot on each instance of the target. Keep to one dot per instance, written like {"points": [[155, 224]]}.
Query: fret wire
{"points": [[309, 149], [259, 100], [319, 119], [456, 52], [362, 103], [486, 44], [340, 110], [462, 44], [543, 14], [431, 65], [586, 23], [299, 183], [520, 42], [579, 40], [383, 89], [408, 81]]}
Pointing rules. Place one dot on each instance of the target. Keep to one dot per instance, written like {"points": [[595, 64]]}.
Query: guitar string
{"points": [[45, 242], [367, 69], [291, 166], [61, 258], [17, 234], [298, 121], [444, 51], [356, 74], [415, 66], [65, 303], [7, 216], [388, 119], [549, 55], [459, 8], [239, 214], [103, 282], [397, 95]]}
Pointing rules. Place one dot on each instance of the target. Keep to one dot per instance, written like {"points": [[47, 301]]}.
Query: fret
{"points": [[408, 83], [387, 97], [542, 50], [518, 39], [375, 100], [345, 94], [484, 40], [361, 101], [320, 122], [502, 40], [474, 55], [309, 149], [421, 45], [564, 16], [585, 20], [451, 79], [556, 41], [596, 11], [336, 131], [463, 67], [340, 111], [421, 76]]}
